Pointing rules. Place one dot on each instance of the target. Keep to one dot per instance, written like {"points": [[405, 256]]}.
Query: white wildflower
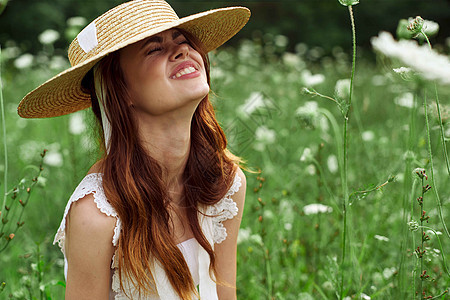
{"points": [[58, 63], [365, 297], [431, 232], [381, 238], [388, 272], [428, 63], [332, 163], [402, 70], [342, 88], [292, 60], [76, 123], [286, 210], [315, 208], [327, 285], [281, 41], [54, 159], [306, 155], [405, 100], [24, 61], [309, 110], [311, 169], [10, 52], [288, 226], [368, 136], [301, 48], [255, 101], [256, 238], [76, 21], [244, 235], [59, 262], [265, 135], [430, 28], [315, 53], [268, 214], [413, 225], [311, 80], [48, 37], [304, 296]]}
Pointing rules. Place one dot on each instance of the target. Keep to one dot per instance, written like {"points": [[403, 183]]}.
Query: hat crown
{"points": [[121, 24]]}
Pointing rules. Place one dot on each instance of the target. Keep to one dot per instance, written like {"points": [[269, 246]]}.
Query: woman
{"points": [[158, 216]]}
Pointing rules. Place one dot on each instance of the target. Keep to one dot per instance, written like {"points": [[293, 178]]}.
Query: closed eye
{"points": [[153, 50], [185, 42]]}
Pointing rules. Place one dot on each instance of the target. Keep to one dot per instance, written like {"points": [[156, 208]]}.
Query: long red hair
{"points": [[133, 183]]}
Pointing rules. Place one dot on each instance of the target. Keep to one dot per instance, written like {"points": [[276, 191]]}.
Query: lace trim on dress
{"points": [[224, 210], [91, 184]]}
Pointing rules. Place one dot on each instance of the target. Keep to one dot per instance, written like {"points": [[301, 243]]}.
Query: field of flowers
{"points": [[353, 196]]}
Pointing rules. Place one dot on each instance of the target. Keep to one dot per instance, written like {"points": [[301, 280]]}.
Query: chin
{"points": [[200, 92]]}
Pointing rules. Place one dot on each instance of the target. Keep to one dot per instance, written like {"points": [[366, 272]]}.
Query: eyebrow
{"points": [[158, 39]]}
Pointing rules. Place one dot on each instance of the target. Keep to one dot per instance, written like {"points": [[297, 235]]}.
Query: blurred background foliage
{"points": [[257, 83], [313, 22]]}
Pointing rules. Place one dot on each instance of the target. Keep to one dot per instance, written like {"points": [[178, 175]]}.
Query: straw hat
{"points": [[121, 26]]}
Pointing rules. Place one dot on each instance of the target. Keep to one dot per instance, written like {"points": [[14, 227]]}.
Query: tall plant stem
{"points": [[345, 181], [430, 155], [5, 149], [441, 127], [422, 246]]}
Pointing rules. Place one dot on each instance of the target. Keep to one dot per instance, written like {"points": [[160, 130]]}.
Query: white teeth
{"points": [[185, 71]]}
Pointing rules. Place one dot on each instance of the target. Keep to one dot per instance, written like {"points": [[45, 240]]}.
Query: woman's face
{"points": [[164, 73]]}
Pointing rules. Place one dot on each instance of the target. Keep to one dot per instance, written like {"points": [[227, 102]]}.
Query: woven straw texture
{"points": [[121, 26]]}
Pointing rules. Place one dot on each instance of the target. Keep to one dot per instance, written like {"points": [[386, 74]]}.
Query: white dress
{"points": [[196, 257]]}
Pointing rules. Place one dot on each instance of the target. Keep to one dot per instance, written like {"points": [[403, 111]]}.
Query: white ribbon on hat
{"points": [[100, 92]]}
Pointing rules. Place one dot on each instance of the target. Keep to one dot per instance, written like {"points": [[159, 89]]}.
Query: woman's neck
{"points": [[168, 140]]}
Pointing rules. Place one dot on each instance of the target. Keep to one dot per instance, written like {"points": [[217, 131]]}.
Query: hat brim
{"points": [[63, 95]]}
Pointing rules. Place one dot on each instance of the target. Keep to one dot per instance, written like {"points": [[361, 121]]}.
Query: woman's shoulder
{"points": [[96, 167], [239, 179], [88, 205], [86, 221]]}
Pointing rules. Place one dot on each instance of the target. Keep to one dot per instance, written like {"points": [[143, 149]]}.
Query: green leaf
{"points": [[348, 2], [3, 5]]}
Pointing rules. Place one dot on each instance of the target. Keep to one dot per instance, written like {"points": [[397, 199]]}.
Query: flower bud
{"points": [[421, 173], [348, 2], [413, 225], [415, 25]]}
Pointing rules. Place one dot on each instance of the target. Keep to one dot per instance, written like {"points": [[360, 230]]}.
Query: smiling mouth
{"points": [[187, 70]]}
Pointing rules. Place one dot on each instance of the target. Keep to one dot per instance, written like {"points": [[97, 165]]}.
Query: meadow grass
{"points": [[286, 250]]}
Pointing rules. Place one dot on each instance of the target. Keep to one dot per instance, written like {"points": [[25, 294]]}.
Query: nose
{"points": [[180, 51]]}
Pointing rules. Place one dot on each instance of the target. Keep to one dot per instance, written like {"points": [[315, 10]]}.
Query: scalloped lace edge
{"points": [[91, 184], [224, 210]]}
